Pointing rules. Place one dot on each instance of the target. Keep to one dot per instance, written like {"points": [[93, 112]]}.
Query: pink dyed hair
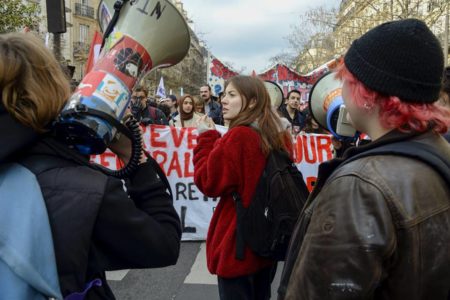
{"points": [[394, 113]]}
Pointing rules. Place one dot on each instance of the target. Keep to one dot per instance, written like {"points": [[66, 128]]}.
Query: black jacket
{"points": [[375, 228], [96, 225], [298, 120], [149, 115], [215, 111]]}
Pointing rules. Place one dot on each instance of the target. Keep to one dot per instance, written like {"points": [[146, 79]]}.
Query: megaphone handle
{"points": [[136, 151], [131, 130]]}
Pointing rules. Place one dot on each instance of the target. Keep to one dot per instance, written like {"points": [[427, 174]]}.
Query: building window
{"points": [[84, 33], [85, 2]]}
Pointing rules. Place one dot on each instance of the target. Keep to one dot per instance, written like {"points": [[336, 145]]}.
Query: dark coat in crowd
{"points": [[215, 111], [96, 225], [298, 120], [391, 216]]}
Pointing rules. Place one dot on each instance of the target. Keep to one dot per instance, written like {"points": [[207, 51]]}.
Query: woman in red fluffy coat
{"points": [[230, 163]]}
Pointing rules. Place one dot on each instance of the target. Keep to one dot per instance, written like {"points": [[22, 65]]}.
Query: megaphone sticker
{"points": [[128, 62], [104, 86], [331, 97], [89, 83], [131, 60], [113, 90], [113, 39]]}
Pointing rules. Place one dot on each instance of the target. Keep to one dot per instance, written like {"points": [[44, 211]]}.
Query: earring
{"points": [[367, 106]]}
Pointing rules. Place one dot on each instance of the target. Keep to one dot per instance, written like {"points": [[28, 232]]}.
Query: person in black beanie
{"points": [[377, 226]]}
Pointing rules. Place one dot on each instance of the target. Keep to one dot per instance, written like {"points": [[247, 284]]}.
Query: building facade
{"points": [[73, 45], [356, 17]]}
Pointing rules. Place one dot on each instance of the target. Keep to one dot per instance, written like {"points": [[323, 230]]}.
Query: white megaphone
{"points": [[141, 35], [275, 93], [328, 108]]}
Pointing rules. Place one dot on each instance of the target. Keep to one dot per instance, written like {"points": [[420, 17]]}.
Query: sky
{"points": [[247, 33]]}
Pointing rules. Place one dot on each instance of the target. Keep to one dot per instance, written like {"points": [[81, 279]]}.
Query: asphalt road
{"points": [[187, 280]]}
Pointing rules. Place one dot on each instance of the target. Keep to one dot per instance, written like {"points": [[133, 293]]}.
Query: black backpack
{"points": [[267, 224]]}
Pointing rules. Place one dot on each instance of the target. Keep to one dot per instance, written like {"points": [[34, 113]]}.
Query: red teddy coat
{"points": [[222, 165]]}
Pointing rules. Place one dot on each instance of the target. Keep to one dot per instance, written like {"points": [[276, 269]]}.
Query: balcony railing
{"points": [[84, 10], [80, 48]]}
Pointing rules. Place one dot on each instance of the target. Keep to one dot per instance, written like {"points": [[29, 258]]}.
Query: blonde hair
{"points": [[199, 101], [33, 85]]}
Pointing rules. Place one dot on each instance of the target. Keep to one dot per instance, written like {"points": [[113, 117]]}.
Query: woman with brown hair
{"points": [[96, 225], [187, 116], [235, 162]]}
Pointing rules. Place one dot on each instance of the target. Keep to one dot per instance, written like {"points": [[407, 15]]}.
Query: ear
{"points": [[252, 103]]}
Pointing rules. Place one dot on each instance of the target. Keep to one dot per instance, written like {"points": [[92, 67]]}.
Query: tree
{"points": [[358, 16], [284, 57], [16, 15], [311, 39], [324, 33]]}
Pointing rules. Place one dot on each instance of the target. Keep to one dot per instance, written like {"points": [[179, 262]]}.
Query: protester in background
{"points": [[157, 99], [291, 113], [96, 225], [311, 126], [199, 105], [173, 106], [233, 163], [187, 116], [146, 112], [212, 107], [303, 108], [378, 227], [164, 107]]}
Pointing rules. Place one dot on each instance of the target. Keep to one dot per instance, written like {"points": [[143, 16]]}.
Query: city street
{"points": [[189, 279]]}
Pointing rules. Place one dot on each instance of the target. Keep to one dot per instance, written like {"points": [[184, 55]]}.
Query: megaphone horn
{"points": [[275, 93], [146, 35], [327, 106]]}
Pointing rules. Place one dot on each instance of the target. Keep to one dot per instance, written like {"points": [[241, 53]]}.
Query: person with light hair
{"points": [[96, 225], [199, 105]]}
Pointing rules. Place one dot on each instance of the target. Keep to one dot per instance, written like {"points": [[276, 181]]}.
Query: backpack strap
{"points": [[416, 150], [240, 211]]}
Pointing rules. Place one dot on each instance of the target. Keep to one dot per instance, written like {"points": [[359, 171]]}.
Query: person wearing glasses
{"points": [[142, 111]]}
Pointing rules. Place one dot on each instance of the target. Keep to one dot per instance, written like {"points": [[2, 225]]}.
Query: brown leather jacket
{"points": [[375, 228]]}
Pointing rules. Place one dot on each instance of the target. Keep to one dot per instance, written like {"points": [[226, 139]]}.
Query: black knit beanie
{"points": [[400, 58]]}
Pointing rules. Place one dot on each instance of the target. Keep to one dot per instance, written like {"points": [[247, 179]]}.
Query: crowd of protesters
{"points": [[374, 227], [185, 111], [365, 215]]}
